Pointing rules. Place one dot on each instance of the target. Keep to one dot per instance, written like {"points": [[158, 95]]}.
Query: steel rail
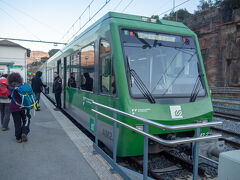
{"points": [[159, 140], [162, 126], [226, 101], [204, 157]]}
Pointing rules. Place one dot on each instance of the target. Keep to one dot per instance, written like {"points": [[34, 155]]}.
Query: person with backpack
{"points": [[37, 86], [57, 90], [22, 100], [4, 102]]}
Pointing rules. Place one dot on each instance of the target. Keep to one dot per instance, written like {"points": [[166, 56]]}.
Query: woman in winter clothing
{"points": [[21, 123]]}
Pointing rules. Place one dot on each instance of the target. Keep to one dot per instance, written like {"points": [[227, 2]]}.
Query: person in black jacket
{"points": [[89, 82], [57, 90], [37, 86], [72, 81]]}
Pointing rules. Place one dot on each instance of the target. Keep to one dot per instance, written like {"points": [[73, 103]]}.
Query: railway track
{"points": [[231, 142], [173, 165], [224, 131], [227, 116], [229, 137]]}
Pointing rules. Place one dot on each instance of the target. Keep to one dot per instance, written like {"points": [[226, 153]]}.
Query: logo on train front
{"points": [[176, 112]]}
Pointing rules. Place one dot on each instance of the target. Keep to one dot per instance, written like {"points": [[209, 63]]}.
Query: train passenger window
{"points": [[107, 80], [87, 67], [74, 74]]}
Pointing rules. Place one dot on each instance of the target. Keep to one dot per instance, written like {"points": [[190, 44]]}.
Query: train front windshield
{"points": [[164, 65]]}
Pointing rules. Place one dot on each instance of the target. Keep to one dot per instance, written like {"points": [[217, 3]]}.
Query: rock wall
{"points": [[219, 38]]}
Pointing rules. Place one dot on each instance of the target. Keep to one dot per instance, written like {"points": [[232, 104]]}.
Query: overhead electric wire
{"points": [[162, 7], [175, 7], [49, 42], [40, 22], [107, 1], [88, 6], [127, 6], [117, 5], [20, 24]]}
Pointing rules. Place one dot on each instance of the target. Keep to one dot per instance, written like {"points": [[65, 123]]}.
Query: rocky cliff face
{"points": [[36, 56], [219, 38]]}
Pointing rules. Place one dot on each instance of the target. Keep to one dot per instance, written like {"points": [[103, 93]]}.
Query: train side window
{"points": [[74, 71], [107, 80], [87, 67]]}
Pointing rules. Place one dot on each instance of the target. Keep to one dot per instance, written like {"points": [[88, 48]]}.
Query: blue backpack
{"points": [[27, 96]]}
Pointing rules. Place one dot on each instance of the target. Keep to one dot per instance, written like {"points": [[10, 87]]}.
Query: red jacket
{"points": [[3, 87]]}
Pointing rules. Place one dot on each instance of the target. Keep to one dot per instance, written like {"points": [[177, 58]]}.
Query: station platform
{"points": [[56, 149]]}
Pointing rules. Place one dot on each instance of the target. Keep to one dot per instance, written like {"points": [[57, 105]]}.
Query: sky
{"points": [[50, 20]]}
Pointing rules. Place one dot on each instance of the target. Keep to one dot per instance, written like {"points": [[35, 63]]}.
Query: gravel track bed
{"points": [[228, 125]]}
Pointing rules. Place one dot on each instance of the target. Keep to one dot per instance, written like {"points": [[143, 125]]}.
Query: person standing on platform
{"points": [[21, 123], [57, 90], [72, 81], [4, 102], [37, 86]]}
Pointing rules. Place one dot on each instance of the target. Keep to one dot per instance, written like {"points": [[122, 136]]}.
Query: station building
{"points": [[13, 58]]}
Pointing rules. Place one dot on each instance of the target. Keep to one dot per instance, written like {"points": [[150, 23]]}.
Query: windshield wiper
{"points": [[142, 87], [196, 88], [146, 44]]}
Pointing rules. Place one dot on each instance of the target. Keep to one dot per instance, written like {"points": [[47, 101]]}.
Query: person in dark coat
{"points": [[88, 83], [72, 81], [37, 86], [57, 90], [21, 123]]}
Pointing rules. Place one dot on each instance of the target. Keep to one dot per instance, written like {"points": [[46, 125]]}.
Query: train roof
{"points": [[123, 17], [145, 19]]}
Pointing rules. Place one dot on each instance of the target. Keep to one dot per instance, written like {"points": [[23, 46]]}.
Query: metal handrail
{"points": [[159, 140], [162, 126], [146, 135]]}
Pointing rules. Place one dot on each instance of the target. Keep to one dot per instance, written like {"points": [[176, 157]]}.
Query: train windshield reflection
{"points": [[167, 65]]}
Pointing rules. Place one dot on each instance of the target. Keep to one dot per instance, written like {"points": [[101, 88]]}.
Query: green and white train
{"points": [[147, 67]]}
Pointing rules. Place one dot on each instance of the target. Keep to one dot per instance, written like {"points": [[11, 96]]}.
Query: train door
{"points": [[106, 72], [64, 81], [59, 70]]}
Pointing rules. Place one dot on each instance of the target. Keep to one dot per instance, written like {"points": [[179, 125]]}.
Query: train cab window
{"points": [[107, 80], [74, 74], [87, 67]]}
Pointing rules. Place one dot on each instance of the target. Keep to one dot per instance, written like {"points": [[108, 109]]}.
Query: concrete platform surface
{"points": [[56, 149]]}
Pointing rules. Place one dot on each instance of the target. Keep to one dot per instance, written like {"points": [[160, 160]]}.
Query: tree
{"points": [[230, 4], [44, 59], [204, 5], [52, 52], [155, 16], [179, 15]]}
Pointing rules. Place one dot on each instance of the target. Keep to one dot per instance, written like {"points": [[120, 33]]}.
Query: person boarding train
{"points": [[57, 90]]}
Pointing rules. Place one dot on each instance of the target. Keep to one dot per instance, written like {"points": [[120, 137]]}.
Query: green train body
{"points": [[114, 85]]}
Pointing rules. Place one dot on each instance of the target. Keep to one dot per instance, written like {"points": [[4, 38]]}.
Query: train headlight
{"points": [[153, 20], [139, 127], [144, 19]]}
